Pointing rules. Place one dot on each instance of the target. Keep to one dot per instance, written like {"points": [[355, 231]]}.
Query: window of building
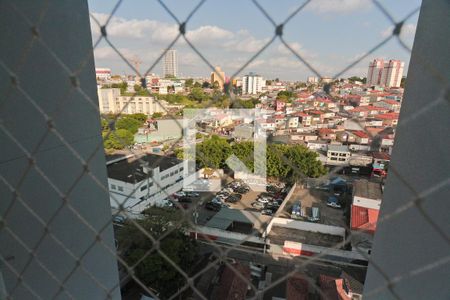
{"points": [[120, 188], [113, 187], [143, 187], [333, 158]]}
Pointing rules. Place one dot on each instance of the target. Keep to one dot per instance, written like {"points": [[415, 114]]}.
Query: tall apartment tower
{"points": [[170, 63], [219, 76], [252, 84], [385, 73]]}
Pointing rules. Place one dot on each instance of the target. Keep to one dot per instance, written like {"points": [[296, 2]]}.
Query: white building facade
{"points": [[110, 101], [139, 183], [170, 63], [252, 84]]}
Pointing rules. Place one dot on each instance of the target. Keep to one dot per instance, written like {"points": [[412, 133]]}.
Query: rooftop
{"points": [[366, 189], [387, 116], [129, 169], [338, 148]]}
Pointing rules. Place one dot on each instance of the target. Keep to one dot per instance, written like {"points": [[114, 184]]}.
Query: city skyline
{"points": [[329, 46]]}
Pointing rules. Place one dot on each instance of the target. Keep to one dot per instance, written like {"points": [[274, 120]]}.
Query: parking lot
{"points": [[317, 198]]}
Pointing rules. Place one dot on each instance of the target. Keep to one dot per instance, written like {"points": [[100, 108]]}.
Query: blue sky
{"points": [[329, 34]]}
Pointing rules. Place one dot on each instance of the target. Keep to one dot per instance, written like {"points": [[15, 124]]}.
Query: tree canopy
{"points": [[136, 248], [288, 162]]}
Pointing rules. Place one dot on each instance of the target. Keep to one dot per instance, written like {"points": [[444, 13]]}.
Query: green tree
{"points": [[206, 85], [198, 95], [136, 248], [157, 115], [189, 82], [213, 152], [215, 85], [197, 85], [402, 82], [117, 139], [128, 123], [122, 86], [138, 116]]}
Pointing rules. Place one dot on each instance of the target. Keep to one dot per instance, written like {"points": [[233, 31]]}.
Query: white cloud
{"points": [[408, 31], [135, 29], [208, 32], [337, 6]]}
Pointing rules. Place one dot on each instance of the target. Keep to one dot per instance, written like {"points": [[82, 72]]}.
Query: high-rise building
{"points": [[252, 84], [312, 80], [219, 76], [170, 63], [385, 73]]}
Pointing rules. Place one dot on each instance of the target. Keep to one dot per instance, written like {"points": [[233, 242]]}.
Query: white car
{"points": [[216, 200], [333, 204], [179, 194], [262, 200]]}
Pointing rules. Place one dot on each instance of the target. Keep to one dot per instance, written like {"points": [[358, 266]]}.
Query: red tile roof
{"points": [[332, 288], [296, 288], [387, 116], [315, 112], [325, 131], [232, 286], [364, 219], [392, 102], [381, 155], [360, 133]]}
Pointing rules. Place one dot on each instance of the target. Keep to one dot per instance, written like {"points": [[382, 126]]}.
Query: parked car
{"points": [[179, 194], [217, 200], [315, 215], [267, 212], [193, 194], [213, 206], [258, 205], [262, 200], [333, 202], [119, 219], [185, 199], [272, 205]]}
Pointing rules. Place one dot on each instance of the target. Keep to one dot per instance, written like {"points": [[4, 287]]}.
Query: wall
{"points": [[307, 226], [75, 121], [411, 246]]}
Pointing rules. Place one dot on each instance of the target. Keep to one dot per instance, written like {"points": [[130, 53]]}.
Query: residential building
{"points": [[365, 205], [292, 122], [103, 73], [338, 155], [252, 84], [170, 63], [136, 183], [385, 73], [312, 80], [107, 100], [388, 119], [218, 76], [327, 134], [392, 105], [110, 101]]}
